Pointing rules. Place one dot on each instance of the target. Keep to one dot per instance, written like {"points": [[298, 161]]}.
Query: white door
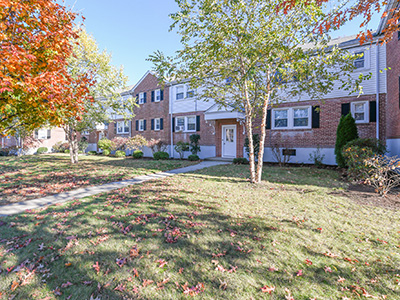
{"points": [[229, 141]]}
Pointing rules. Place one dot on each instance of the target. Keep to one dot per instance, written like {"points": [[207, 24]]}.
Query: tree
{"points": [[346, 132], [105, 83], [246, 56], [35, 43]]}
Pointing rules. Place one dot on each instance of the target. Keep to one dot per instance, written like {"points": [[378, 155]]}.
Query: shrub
{"points": [[193, 157], [157, 145], [104, 144], [120, 153], [106, 152], [92, 153], [83, 144], [136, 142], [181, 147], [67, 151], [383, 173], [42, 150], [354, 157], [240, 161], [194, 144], [58, 147], [375, 145], [256, 145], [316, 157], [160, 155], [4, 152], [346, 132], [137, 154], [118, 143]]}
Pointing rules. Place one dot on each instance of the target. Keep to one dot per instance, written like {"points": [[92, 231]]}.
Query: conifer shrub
{"points": [[346, 132]]}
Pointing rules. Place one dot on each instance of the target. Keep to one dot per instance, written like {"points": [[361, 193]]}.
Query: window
{"points": [[359, 62], [398, 35], [191, 123], [141, 98], [157, 95], [179, 123], [141, 125], [122, 127], [43, 134], [157, 124], [291, 118], [359, 111], [190, 92], [86, 132], [179, 92]]}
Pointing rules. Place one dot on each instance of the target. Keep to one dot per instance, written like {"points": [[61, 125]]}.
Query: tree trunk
{"points": [[262, 138], [72, 138], [249, 133]]}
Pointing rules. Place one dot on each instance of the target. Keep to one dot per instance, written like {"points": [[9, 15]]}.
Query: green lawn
{"points": [[35, 176], [207, 235]]}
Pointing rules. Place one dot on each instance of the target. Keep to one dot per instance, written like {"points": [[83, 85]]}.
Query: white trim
{"points": [[141, 125], [185, 123], [159, 95], [290, 118], [141, 98], [123, 125], [367, 63], [181, 86], [159, 124], [223, 128], [366, 111]]}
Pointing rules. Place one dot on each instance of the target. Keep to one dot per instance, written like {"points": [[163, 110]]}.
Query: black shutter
{"points": [[162, 95], [345, 109], [137, 98], [37, 134], [268, 119], [372, 111], [144, 124], [48, 134], [315, 115], [137, 125], [173, 124], [161, 124], [399, 90], [152, 124], [197, 123], [145, 97], [115, 128], [152, 96]]}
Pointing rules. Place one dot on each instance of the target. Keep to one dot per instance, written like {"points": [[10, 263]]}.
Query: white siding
{"points": [[187, 104]]}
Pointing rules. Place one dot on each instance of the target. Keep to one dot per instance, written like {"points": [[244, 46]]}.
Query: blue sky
{"points": [[133, 29]]}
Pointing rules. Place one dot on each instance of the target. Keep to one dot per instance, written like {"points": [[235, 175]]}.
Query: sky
{"points": [[131, 30]]}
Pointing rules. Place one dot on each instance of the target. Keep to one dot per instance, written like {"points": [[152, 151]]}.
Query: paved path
{"points": [[20, 207]]}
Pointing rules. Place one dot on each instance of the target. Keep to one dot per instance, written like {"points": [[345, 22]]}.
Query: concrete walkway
{"points": [[20, 207]]}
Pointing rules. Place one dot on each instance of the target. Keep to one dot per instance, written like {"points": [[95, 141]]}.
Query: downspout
{"points": [[171, 106], [377, 89]]}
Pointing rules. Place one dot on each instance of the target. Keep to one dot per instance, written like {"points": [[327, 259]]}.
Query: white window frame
{"points": [[187, 124], [141, 125], [42, 134], [291, 118], [157, 121], [121, 126], [183, 92], [157, 95], [141, 98], [176, 123], [189, 90], [366, 111], [366, 59]]}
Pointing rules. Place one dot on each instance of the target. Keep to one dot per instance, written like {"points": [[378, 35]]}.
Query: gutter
{"points": [[377, 89], [171, 107]]}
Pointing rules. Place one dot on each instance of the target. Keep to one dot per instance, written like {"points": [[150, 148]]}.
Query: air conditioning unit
{"points": [[178, 128]]}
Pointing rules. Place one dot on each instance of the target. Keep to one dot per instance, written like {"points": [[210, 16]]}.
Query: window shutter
{"points": [[152, 124], [137, 98], [162, 95], [137, 125], [48, 134], [37, 134], [345, 109], [144, 124], [197, 123], [145, 97], [152, 96], [372, 111], [161, 124], [173, 124], [399, 90], [315, 115], [115, 128], [268, 119]]}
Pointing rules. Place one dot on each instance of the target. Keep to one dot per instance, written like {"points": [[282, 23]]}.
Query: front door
{"points": [[229, 141]]}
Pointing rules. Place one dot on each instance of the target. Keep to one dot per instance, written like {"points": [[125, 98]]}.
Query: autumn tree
{"points": [[243, 55], [105, 85], [35, 44]]}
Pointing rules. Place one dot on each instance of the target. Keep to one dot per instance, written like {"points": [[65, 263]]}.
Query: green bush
{"points": [[106, 152], [92, 153], [160, 155], [137, 154], [355, 157], [60, 147], [194, 144], [66, 151], [240, 161], [193, 157], [83, 144], [376, 146], [42, 150], [105, 144], [120, 153], [346, 132], [181, 147]]}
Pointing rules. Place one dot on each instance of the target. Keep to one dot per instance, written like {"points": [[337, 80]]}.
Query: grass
{"points": [[35, 176], [207, 235]]}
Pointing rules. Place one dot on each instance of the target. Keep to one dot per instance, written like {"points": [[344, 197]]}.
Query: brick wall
{"points": [[207, 130], [393, 74]]}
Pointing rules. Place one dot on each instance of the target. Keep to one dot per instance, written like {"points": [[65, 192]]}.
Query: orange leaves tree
{"points": [[35, 87]]}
